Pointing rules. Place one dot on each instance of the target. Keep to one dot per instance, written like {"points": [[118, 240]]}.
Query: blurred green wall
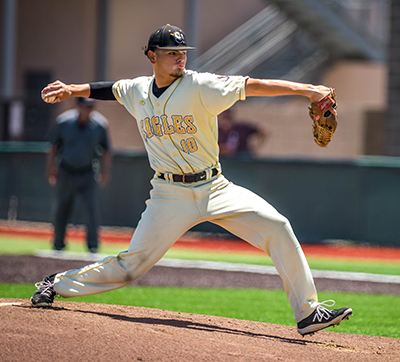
{"points": [[353, 200]]}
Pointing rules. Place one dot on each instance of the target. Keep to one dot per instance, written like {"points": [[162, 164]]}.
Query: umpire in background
{"points": [[78, 139]]}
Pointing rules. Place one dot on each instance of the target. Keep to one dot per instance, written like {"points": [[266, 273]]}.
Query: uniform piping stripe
{"points": [[180, 153], [88, 269], [151, 103], [165, 105], [170, 138], [116, 94]]}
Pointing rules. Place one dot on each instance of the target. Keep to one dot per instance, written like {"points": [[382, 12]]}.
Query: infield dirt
{"points": [[95, 332]]}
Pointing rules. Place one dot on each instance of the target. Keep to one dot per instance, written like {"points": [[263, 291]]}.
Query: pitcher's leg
{"points": [[258, 223], [162, 223]]}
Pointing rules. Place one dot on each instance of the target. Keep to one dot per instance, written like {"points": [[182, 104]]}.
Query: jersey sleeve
{"points": [[129, 92], [121, 90], [218, 93]]}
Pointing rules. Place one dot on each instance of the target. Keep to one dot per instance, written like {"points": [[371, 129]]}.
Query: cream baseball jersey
{"points": [[179, 129]]}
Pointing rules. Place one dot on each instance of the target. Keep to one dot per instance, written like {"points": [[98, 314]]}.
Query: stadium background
{"points": [[355, 52], [88, 40]]}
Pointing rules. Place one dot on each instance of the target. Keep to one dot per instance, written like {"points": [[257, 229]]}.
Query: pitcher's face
{"points": [[169, 62]]}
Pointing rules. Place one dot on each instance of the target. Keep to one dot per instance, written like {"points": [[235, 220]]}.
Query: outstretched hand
{"points": [[324, 116], [56, 92], [319, 92]]}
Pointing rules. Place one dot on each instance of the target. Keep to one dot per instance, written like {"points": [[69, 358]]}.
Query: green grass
{"points": [[23, 246], [358, 266], [28, 246], [376, 315]]}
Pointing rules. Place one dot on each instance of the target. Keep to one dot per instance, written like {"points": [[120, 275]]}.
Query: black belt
{"points": [[76, 170], [189, 178]]}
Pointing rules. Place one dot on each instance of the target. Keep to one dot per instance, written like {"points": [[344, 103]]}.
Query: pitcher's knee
{"points": [[284, 228], [131, 276]]}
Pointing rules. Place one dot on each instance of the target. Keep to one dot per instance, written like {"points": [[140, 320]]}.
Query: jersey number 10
{"points": [[189, 145]]}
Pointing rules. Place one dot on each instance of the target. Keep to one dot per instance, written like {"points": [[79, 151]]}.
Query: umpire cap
{"points": [[168, 37]]}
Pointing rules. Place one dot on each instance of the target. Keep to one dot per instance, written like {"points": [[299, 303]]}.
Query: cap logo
{"points": [[179, 37], [167, 37]]}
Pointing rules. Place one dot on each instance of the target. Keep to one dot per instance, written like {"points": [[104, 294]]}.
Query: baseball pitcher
{"points": [[176, 111]]}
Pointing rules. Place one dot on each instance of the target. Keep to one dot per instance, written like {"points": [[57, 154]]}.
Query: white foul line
{"points": [[261, 269], [223, 266]]}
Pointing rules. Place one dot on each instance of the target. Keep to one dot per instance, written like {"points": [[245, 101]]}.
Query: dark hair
{"points": [[146, 50]]}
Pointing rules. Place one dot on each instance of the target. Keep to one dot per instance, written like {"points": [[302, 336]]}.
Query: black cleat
{"points": [[323, 318], [45, 293]]}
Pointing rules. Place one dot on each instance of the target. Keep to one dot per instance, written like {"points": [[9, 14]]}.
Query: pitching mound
{"points": [[95, 332]]}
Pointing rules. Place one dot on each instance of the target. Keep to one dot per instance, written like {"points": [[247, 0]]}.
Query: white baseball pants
{"points": [[173, 209]]}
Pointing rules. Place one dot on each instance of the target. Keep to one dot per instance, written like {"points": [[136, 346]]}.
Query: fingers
{"points": [[56, 92], [318, 92], [51, 89], [324, 91]]}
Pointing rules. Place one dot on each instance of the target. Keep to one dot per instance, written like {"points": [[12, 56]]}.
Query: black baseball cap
{"points": [[168, 37]]}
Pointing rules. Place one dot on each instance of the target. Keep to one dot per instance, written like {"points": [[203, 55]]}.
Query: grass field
{"points": [[373, 314], [19, 245]]}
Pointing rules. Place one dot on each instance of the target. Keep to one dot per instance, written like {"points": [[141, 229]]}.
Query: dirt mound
{"points": [[95, 332]]}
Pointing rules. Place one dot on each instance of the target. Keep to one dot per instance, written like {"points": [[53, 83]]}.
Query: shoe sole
{"points": [[311, 329], [41, 304]]}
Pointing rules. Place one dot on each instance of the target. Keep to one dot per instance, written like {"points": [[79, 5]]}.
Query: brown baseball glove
{"points": [[324, 119]]}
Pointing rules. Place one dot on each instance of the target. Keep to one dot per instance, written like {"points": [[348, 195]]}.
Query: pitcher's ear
{"points": [[152, 56]]}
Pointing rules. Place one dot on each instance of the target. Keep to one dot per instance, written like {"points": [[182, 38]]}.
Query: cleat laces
{"points": [[46, 288], [323, 313]]}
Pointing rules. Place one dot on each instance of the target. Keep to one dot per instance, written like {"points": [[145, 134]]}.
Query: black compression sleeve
{"points": [[102, 91]]}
